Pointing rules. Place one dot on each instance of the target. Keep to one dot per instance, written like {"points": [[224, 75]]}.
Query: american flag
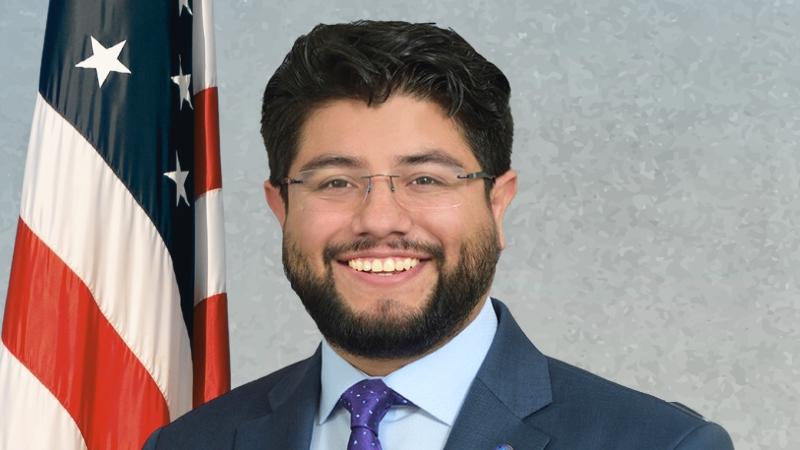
{"points": [[116, 315]]}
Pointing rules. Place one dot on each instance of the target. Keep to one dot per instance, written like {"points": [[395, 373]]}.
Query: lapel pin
{"points": [[504, 447]]}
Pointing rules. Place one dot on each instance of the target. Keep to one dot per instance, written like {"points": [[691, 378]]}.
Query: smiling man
{"points": [[389, 150]]}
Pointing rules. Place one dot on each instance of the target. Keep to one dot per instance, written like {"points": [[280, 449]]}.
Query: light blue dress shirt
{"points": [[437, 384]]}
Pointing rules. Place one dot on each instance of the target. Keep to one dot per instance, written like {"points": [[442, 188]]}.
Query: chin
{"points": [[390, 310]]}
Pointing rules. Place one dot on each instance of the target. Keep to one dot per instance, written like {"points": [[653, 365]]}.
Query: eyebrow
{"points": [[332, 160], [430, 156], [329, 160]]}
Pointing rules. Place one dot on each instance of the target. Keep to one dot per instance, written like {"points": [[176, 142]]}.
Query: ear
{"points": [[503, 191], [273, 195]]}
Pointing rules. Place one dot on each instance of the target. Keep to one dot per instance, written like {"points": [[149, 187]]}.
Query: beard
{"points": [[386, 336]]}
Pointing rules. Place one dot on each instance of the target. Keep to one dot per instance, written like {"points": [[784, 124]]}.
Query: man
{"points": [[389, 150]]}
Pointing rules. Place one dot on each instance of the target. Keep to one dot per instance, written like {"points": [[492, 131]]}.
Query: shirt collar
{"points": [[436, 383]]}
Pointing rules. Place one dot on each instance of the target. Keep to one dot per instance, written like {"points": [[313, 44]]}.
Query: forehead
{"points": [[380, 136]]}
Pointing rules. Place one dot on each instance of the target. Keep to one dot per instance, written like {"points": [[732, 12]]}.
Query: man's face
{"points": [[444, 257]]}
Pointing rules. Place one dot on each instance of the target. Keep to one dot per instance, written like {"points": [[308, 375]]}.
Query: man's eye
{"points": [[425, 180], [336, 183]]}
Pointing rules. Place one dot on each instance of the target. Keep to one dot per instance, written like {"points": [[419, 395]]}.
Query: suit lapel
{"points": [[293, 403], [512, 384], [486, 423]]}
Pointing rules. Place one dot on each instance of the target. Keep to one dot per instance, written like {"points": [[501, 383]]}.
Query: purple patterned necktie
{"points": [[368, 401]]}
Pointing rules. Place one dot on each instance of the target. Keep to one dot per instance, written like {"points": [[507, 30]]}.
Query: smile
{"points": [[382, 265]]}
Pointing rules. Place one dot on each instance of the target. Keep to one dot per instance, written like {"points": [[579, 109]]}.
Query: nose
{"points": [[379, 215]]}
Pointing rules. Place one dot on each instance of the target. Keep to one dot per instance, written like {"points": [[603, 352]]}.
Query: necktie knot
{"points": [[368, 402]]}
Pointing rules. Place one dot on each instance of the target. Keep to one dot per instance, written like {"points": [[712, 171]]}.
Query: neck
{"points": [[374, 367], [381, 367]]}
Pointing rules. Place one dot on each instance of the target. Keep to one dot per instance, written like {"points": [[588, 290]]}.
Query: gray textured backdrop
{"points": [[655, 239]]}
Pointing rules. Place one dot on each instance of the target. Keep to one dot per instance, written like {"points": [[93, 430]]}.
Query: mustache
{"points": [[332, 251]]}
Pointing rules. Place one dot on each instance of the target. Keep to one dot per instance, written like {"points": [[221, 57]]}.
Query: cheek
{"points": [[311, 232], [450, 228]]}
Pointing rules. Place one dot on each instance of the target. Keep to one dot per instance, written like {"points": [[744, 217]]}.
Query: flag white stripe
{"points": [[204, 64], [27, 405], [209, 245], [78, 207]]}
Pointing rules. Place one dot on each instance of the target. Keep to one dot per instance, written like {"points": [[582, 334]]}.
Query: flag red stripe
{"points": [[207, 168], [210, 353], [53, 326]]}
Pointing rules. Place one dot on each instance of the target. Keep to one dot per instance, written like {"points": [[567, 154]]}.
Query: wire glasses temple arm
{"points": [[476, 175]]}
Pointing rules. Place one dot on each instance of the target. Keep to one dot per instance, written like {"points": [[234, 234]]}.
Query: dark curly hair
{"points": [[370, 61]]}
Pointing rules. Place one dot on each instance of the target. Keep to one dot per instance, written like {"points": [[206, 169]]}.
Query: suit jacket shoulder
{"points": [[215, 424], [529, 401], [609, 415]]}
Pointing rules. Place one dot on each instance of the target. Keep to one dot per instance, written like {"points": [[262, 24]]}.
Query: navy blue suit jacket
{"points": [[519, 398]]}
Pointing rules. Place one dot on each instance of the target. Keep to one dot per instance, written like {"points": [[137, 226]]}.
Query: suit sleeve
{"points": [[151, 442], [708, 436]]}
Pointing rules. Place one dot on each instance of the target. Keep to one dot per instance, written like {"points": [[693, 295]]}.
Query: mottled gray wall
{"points": [[656, 236]]}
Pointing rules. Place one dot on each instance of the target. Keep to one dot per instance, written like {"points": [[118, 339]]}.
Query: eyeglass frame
{"points": [[288, 181]]}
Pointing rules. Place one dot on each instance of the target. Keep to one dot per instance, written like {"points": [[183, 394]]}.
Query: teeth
{"points": [[383, 265]]}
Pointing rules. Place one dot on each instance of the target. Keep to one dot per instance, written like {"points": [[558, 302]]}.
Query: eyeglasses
{"points": [[416, 188]]}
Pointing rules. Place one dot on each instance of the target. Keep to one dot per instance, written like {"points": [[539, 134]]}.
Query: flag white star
{"points": [[183, 4], [104, 60], [179, 177], [183, 82]]}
